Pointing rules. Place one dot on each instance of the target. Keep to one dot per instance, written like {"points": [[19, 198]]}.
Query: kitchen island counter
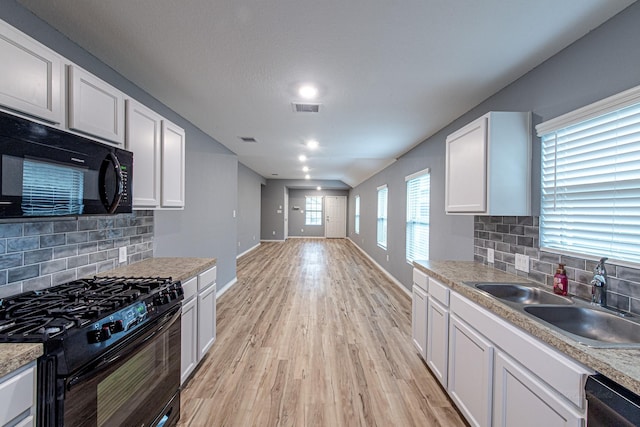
{"points": [[619, 364]]}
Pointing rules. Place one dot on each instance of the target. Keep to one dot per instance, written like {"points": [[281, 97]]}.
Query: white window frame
{"points": [[418, 210], [356, 222], [599, 229], [307, 210], [382, 217]]}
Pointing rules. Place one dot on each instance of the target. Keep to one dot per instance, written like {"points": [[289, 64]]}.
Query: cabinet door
{"points": [[173, 145], [206, 320], [189, 339], [17, 394], [470, 372], [95, 107], [419, 320], [522, 399], [466, 168], [143, 135], [438, 340], [30, 76]]}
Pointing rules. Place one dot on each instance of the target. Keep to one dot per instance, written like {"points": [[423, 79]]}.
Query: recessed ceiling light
{"points": [[305, 169], [312, 144], [318, 188], [308, 91], [307, 176], [302, 157]]}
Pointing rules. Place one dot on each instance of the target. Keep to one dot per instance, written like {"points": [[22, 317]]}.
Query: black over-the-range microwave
{"points": [[47, 172]]}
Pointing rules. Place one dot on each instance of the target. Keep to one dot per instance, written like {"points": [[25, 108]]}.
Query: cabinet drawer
{"points": [[207, 278], [439, 291], [190, 288], [420, 279], [17, 393]]}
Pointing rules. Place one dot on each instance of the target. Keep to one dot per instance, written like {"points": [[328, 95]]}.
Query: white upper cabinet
{"points": [[30, 76], [95, 107], [173, 165], [488, 166], [144, 136]]}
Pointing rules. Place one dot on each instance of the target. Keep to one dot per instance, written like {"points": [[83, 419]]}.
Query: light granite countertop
{"points": [[13, 356], [176, 268], [621, 365]]}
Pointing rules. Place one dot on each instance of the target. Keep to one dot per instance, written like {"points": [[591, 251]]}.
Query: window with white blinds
{"points": [[418, 196], [591, 184], [381, 235], [357, 216], [313, 210], [51, 189]]}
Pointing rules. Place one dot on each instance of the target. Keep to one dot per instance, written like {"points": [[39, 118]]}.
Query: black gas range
{"points": [[97, 335]]}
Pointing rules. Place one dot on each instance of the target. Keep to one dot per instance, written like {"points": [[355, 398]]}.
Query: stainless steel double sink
{"points": [[577, 319]]}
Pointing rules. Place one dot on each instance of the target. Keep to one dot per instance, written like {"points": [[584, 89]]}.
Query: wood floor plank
{"points": [[313, 334]]}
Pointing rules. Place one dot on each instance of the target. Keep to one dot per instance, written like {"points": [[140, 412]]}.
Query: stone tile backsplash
{"points": [[39, 254], [510, 235]]}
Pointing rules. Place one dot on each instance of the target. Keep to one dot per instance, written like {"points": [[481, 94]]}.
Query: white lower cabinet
{"points": [[198, 320], [18, 397], [470, 372], [419, 302], [523, 400], [438, 340], [496, 373]]}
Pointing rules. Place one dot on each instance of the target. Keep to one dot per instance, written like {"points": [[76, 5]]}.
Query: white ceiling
{"points": [[390, 73]]}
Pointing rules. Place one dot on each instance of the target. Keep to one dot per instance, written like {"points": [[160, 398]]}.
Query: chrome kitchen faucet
{"points": [[599, 284]]}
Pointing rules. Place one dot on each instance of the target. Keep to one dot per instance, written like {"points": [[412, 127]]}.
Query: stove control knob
{"points": [[114, 327], [99, 335], [106, 333]]}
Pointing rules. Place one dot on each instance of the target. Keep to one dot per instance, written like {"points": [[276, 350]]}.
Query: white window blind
{"points": [[357, 216], [381, 234], [313, 210], [51, 190], [591, 186], [418, 197]]}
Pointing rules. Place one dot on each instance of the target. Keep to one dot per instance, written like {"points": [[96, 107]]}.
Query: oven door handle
{"points": [[105, 363]]}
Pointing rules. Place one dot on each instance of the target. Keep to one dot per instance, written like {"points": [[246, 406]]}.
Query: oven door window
{"points": [[132, 391]]}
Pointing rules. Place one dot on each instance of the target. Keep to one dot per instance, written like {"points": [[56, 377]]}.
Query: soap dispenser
{"points": [[560, 281]]}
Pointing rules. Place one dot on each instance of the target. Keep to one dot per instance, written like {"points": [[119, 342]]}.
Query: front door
{"points": [[335, 217]]}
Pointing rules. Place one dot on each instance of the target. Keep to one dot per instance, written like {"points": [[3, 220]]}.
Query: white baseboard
{"points": [[248, 250], [305, 237], [226, 287], [386, 273], [279, 241]]}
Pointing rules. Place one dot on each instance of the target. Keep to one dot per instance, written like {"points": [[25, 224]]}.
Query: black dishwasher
{"points": [[610, 404]]}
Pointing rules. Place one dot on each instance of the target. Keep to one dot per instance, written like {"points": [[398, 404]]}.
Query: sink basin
{"points": [[591, 326], [522, 294]]}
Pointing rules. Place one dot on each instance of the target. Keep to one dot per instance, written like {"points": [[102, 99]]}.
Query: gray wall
{"points": [[604, 62], [211, 183], [248, 223], [297, 227], [272, 209]]}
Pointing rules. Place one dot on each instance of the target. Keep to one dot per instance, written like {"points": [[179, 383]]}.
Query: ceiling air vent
{"points": [[248, 139], [305, 108]]}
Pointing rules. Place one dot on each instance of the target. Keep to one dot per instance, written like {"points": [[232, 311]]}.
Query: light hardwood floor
{"points": [[313, 334]]}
